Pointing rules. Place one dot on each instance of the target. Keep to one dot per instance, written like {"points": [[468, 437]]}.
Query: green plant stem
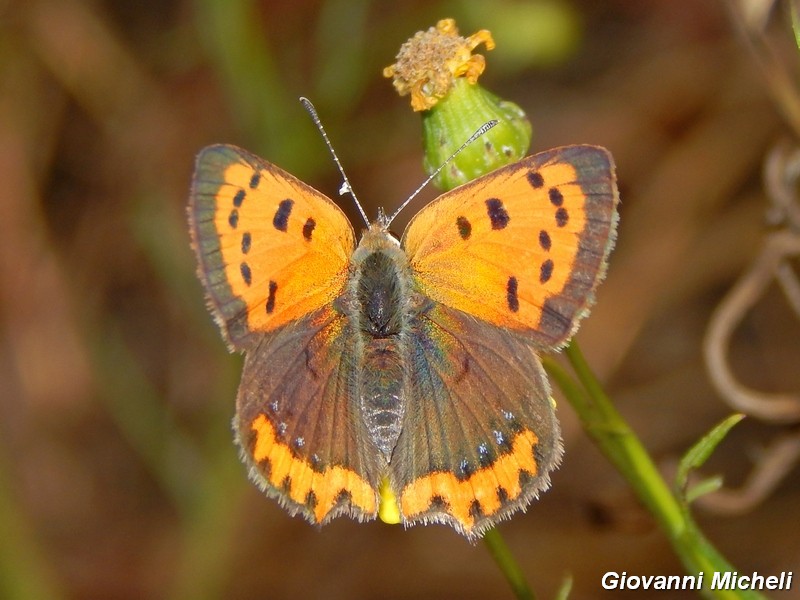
{"points": [[25, 571], [619, 443], [504, 558]]}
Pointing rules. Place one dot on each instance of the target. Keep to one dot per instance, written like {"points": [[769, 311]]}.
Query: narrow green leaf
{"points": [[505, 559], [565, 589], [706, 486], [699, 453], [794, 10]]}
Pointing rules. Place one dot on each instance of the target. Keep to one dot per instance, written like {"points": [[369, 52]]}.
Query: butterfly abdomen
{"points": [[379, 311]]}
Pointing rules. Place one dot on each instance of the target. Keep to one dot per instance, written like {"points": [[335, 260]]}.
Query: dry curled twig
{"points": [[781, 174]]}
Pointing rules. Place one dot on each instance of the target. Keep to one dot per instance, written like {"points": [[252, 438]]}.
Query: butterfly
{"points": [[408, 364]]}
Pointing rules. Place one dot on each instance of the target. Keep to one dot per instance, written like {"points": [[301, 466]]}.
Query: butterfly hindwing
{"points": [[270, 248], [480, 435], [298, 425], [524, 247]]}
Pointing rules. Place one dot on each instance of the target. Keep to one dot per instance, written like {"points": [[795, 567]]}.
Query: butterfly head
{"points": [[379, 235]]}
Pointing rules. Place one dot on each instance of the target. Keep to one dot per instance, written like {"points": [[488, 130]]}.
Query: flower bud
{"points": [[438, 70]]}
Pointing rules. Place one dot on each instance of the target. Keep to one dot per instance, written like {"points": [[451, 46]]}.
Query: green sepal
{"points": [[447, 125]]}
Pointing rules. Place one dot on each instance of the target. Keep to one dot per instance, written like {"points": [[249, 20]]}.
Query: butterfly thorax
{"points": [[380, 304]]}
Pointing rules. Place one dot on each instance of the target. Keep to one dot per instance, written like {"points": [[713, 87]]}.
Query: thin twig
{"points": [[775, 408]]}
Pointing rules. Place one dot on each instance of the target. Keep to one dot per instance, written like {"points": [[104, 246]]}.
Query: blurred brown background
{"points": [[118, 474]]}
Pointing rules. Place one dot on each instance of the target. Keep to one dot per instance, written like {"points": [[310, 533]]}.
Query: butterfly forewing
{"points": [[524, 247], [271, 249]]}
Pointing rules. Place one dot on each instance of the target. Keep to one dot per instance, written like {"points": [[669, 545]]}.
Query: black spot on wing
{"points": [[544, 240], [497, 213], [464, 470], [308, 228], [511, 294], [546, 271], [311, 500], [556, 197], [273, 289], [535, 179], [247, 276], [464, 227], [502, 494], [281, 219], [475, 509]]}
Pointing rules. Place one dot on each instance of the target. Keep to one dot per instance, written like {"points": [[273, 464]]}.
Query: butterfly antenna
{"points": [[345, 188], [481, 130]]}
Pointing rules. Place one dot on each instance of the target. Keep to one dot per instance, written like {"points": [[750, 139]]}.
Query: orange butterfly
{"points": [[408, 364]]}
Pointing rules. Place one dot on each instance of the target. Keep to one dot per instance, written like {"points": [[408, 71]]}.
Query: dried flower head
{"points": [[428, 64]]}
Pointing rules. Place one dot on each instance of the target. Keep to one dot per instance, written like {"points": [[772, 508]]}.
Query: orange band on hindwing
{"points": [[301, 482], [482, 494]]}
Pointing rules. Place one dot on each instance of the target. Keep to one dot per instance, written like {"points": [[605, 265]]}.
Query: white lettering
{"points": [[696, 585], [722, 581], [610, 580]]}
